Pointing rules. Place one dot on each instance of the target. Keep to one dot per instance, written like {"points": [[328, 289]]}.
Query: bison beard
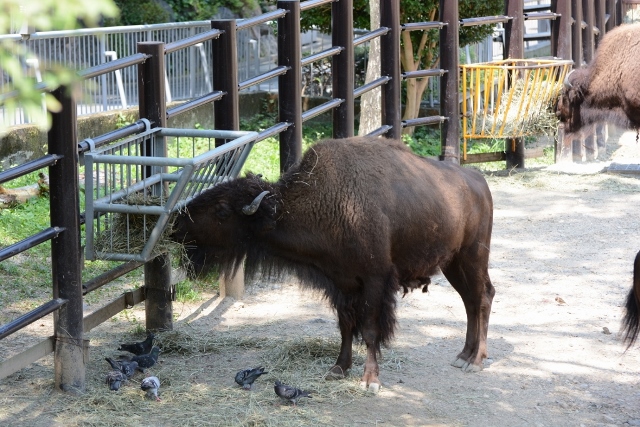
{"points": [[358, 219], [608, 89]]}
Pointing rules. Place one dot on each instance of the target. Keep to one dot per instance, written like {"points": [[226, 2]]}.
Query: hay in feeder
{"points": [[528, 111], [126, 233]]}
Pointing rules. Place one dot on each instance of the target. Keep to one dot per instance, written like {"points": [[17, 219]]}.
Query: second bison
{"points": [[358, 219]]}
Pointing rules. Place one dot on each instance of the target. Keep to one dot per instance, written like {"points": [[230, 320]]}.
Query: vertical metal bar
{"points": [[449, 84], [561, 29], [66, 258], [618, 12], [576, 33], [588, 38], [290, 84], [224, 57], [514, 46], [390, 51], [343, 69]]}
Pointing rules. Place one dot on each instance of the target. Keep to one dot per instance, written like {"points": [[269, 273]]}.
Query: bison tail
{"points": [[631, 321]]}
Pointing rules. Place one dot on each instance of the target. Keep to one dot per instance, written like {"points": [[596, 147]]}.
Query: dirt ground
{"points": [[563, 245]]}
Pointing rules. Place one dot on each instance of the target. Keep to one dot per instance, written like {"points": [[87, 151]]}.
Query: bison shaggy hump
{"points": [[608, 88], [358, 219]]}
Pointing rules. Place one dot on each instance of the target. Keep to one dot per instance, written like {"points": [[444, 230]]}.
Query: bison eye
{"points": [[223, 210]]}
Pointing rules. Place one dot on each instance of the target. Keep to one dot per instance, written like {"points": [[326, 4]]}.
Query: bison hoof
{"points": [[372, 388], [335, 373], [466, 366]]}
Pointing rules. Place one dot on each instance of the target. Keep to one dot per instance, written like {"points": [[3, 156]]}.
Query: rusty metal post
{"points": [[151, 92], [514, 46], [290, 84], [224, 60], [390, 66], [343, 68], [66, 257], [561, 29], [449, 82]]}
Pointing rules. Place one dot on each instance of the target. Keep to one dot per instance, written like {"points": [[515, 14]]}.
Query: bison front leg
{"points": [[347, 326]]}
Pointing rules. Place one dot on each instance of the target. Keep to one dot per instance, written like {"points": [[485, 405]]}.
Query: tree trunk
{"points": [[371, 102]]}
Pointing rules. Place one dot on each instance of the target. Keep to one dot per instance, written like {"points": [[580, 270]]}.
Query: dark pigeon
{"points": [[289, 393], [115, 379], [138, 348], [145, 361], [246, 377], [127, 367]]}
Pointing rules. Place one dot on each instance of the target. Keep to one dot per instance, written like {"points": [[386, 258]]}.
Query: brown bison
{"points": [[631, 321], [358, 219], [608, 89]]}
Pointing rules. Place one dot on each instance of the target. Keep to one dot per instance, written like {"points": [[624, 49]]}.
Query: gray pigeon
{"points": [[151, 385], [147, 360], [138, 348], [289, 393], [248, 376], [127, 367], [115, 379]]}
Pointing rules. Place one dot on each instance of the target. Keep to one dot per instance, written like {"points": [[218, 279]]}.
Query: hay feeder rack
{"points": [[135, 185], [510, 98]]}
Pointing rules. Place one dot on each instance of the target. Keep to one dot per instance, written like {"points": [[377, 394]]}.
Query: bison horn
{"points": [[567, 83], [253, 207]]}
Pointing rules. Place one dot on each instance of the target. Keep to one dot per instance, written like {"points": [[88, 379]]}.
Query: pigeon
{"points": [[147, 360], [289, 393], [115, 379], [138, 348], [248, 376], [127, 367], [151, 386]]}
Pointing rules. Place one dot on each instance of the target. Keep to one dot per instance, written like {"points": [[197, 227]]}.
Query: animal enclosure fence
{"points": [[67, 155]]}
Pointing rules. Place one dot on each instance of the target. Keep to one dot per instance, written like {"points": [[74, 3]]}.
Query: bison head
{"points": [[217, 227], [571, 99]]}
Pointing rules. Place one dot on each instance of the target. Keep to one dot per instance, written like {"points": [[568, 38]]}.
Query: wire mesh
{"points": [[133, 187]]}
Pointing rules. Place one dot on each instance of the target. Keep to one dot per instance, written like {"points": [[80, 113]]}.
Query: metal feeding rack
{"points": [[133, 187], [511, 98]]}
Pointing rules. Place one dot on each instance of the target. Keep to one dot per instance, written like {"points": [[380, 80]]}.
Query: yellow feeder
{"points": [[510, 98]]}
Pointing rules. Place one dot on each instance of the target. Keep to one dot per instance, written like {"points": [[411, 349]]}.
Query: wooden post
{"points": [[514, 46], [157, 272], [611, 11], [561, 29], [159, 294], [564, 149], [343, 68], [588, 35], [390, 66], [576, 33], [449, 82], [66, 254]]}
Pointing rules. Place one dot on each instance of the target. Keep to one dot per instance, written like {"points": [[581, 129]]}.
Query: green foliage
{"points": [[135, 12], [425, 141], [43, 15]]}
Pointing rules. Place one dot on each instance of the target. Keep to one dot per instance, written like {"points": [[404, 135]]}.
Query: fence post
{"points": [[66, 258], [390, 66], [343, 68], [561, 29], [224, 58], [576, 33], [152, 106], [449, 82], [290, 83], [514, 46], [611, 11]]}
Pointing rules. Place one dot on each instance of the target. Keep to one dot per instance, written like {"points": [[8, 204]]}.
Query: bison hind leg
{"points": [[470, 278]]}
